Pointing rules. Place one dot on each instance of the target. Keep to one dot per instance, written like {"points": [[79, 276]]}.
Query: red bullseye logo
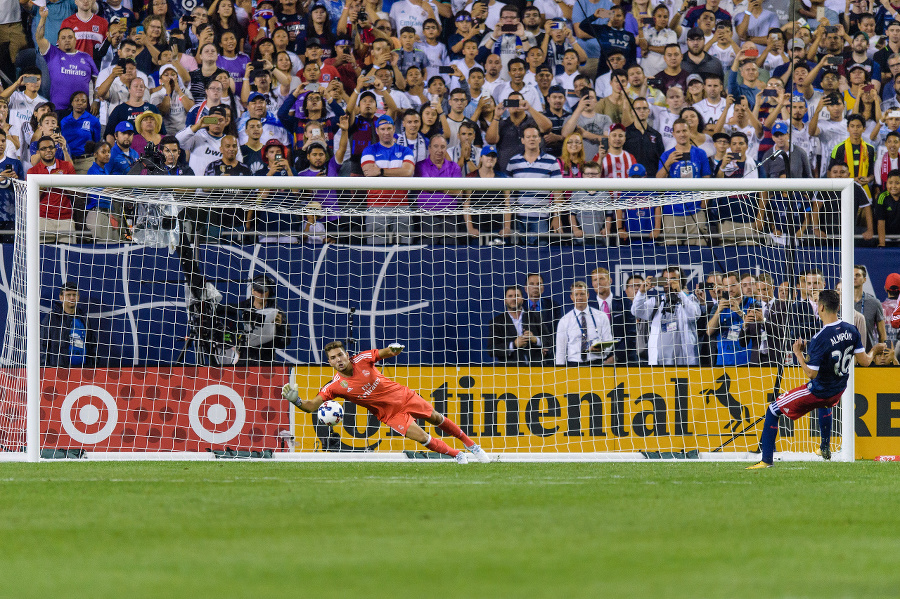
{"points": [[83, 411], [207, 406]]}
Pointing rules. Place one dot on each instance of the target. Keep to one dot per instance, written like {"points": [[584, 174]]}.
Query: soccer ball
{"points": [[330, 413]]}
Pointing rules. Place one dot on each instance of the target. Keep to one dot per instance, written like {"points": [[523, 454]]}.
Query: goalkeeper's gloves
{"points": [[291, 392], [396, 347]]}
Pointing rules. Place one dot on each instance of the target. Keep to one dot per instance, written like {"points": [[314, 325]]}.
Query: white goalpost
{"points": [[179, 362]]}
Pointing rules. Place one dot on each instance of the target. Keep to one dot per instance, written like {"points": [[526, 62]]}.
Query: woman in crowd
{"points": [[313, 115], [318, 25], [572, 158], [498, 221], [231, 59], [695, 126], [147, 126], [431, 120], [282, 43], [223, 18]]}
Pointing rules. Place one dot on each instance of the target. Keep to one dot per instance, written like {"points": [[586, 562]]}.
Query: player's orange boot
{"points": [[759, 466]]}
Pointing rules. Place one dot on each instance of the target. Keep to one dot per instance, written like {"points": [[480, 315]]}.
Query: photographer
{"points": [[673, 320], [737, 310], [262, 326]]}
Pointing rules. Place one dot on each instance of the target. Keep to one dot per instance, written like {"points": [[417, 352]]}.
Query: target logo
{"points": [[207, 409], [82, 415]]}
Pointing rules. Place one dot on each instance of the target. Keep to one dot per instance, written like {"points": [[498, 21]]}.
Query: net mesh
{"points": [[188, 324]]}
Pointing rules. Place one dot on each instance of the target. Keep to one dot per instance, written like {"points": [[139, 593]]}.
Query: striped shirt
{"points": [[545, 166], [616, 167]]}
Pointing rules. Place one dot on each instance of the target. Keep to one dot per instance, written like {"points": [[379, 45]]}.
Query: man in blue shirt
{"points": [[611, 36], [78, 128], [123, 156], [683, 224], [830, 353], [10, 169], [728, 320]]}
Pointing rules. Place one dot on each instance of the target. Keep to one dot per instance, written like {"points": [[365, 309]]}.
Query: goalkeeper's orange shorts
{"points": [[401, 415]]}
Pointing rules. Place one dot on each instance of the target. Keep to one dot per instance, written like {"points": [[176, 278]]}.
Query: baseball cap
{"points": [[780, 129], [856, 66], [721, 136], [255, 96], [124, 126], [695, 34], [861, 33], [487, 150], [342, 42], [313, 42], [637, 170], [693, 78], [797, 45], [556, 89], [384, 120], [318, 5], [220, 110], [367, 94], [463, 16], [616, 127], [892, 281], [893, 114]]}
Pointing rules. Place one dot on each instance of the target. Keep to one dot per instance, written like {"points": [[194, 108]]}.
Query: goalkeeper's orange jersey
{"points": [[368, 388]]}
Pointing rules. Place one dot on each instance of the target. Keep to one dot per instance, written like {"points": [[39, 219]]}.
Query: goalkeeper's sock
{"points": [[768, 437], [825, 422], [451, 428], [439, 446]]}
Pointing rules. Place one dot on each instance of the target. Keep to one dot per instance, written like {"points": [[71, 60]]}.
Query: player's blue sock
{"points": [[825, 421], [768, 437]]}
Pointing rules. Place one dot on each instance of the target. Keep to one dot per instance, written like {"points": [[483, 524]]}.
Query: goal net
{"points": [[549, 318]]}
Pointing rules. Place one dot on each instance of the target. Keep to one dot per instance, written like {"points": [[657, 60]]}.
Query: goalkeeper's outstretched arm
{"points": [[291, 392], [394, 349]]}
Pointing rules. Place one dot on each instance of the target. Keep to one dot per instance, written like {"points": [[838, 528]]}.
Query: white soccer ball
{"points": [[330, 413]]}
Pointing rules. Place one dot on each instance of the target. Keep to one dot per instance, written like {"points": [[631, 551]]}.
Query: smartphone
{"points": [[510, 103], [751, 53], [315, 133], [604, 143], [835, 61], [188, 18], [654, 82], [445, 70], [768, 93], [773, 37], [868, 88], [369, 81], [362, 16], [508, 28], [209, 120], [31, 79], [139, 29], [555, 25], [647, 21], [820, 13], [257, 65]]}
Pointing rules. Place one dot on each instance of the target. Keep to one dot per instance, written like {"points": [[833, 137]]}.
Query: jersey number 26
{"points": [[842, 361]]}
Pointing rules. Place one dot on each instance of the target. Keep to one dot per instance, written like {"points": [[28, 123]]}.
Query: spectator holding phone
{"points": [[683, 223], [10, 169], [203, 140], [750, 85], [736, 309], [24, 97], [830, 131]]}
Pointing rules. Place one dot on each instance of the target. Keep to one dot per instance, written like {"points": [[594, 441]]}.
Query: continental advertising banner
{"points": [[605, 409]]}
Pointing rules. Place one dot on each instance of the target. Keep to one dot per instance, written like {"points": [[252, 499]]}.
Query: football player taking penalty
{"points": [[356, 379], [830, 352]]}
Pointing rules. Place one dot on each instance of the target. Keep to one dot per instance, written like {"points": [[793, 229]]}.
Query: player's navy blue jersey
{"points": [[831, 351]]}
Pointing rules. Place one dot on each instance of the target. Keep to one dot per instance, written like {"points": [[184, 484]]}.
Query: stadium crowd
{"points": [[406, 88]]}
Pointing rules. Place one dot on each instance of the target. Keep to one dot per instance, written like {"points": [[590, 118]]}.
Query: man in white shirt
{"points": [[582, 331], [412, 13], [712, 106], [673, 321]]}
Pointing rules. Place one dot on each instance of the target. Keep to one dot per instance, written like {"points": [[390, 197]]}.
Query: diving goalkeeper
{"points": [[397, 406]]}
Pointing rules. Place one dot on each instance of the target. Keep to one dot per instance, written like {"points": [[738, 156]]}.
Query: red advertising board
{"points": [[163, 409]]}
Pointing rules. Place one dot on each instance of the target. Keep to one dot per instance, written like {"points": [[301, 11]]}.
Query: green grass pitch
{"points": [[242, 529]]}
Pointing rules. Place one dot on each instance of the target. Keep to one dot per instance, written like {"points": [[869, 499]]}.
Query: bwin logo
{"points": [[723, 395]]}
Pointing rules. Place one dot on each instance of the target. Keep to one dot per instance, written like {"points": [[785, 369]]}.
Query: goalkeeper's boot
{"points": [[824, 451], [479, 454], [461, 458], [759, 466]]}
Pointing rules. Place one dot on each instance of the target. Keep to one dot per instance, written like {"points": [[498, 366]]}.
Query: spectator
{"points": [[527, 91], [465, 153], [212, 98], [272, 127], [70, 70], [549, 313], [147, 137], [588, 122], [48, 125], [221, 224], [750, 84], [889, 306], [438, 228], [251, 151], [102, 219], [610, 36], [713, 105], [507, 135], [641, 140], [10, 169], [67, 338], [887, 209], [708, 295], [171, 153], [203, 139], [515, 335], [673, 321], [642, 327], [495, 223], [869, 306], [656, 36], [262, 323], [89, 28], [122, 156], [826, 210], [24, 98], [673, 74], [697, 60], [130, 109], [56, 224], [729, 319], [638, 225], [829, 131], [177, 103], [386, 158], [532, 163], [888, 151], [571, 162], [856, 154], [683, 223], [582, 332], [618, 311], [79, 128], [754, 24], [595, 224], [614, 160], [789, 160]]}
